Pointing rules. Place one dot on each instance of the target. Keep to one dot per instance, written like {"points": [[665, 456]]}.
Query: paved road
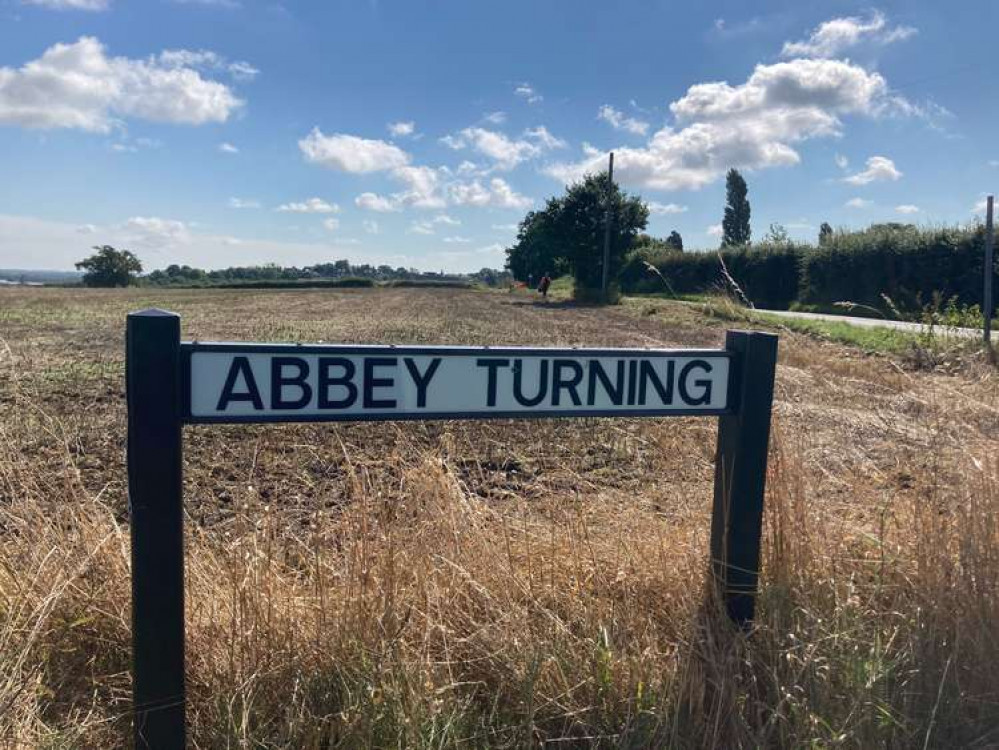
{"points": [[880, 323]]}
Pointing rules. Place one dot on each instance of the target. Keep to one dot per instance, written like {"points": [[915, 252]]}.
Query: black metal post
{"points": [[155, 505], [741, 472]]}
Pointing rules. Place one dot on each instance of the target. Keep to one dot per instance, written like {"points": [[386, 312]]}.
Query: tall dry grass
{"points": [[453, 620]]}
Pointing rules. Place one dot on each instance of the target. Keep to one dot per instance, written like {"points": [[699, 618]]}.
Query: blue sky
{"points": [[232, 132]]}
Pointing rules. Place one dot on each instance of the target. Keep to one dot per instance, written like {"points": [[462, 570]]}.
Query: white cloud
{"points": [[422, 187], [858, 203], [243, 203], [505, 152], [715, 230], [753, 125], [620, 121], [349, 153], [907, 208], [152, 232], [457, 240], [841, 161], [331, 224], [402, 128], [528, 92], [446, 220], [879, 168], [498, 194], [310, 206], [494, 118], [207, 60], [86, 229], [228, 148], [78, 86], [371, 226], [544, 138], [666, 208], [374, 202], [832, 37], [71, 4], [421, 227]]}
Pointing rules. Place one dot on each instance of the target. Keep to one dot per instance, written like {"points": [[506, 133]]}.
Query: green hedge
{"points": [[909, 265], [767, 274]]}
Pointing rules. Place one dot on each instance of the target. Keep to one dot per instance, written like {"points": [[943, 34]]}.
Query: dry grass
{"points": [[504, 584]]}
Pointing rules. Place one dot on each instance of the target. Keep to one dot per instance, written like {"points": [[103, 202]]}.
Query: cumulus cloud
{"points": [[879, 168], [752, 125], [428, 226], [619, 121], [310, 206], [528, 92], [836, 35], [666, 208], [907, 208], [497, 193], [858, 203], [841, 161], [715, 230], [494, 118], [375, 202], [505, 152], [402, 128], [243, 203], [78, 86], [228, 148], [349, 153]]}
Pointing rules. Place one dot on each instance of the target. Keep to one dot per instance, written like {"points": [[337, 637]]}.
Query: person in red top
{"points": [[546, 281]]}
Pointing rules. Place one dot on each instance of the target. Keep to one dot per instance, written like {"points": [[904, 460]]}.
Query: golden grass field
{"points": [[500, 584]]}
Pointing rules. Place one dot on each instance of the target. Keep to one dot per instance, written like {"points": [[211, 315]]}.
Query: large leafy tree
{"points": [[109, 267], [735, 225], [539, 248], [568, 234]]}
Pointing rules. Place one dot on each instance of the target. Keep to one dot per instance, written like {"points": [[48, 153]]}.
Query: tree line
{"points": [[111, 267]]}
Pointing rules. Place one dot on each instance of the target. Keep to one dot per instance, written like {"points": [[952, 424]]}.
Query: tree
{"points": [[109, 267], [777, 235], [735, 225], [568, 235], [825, 233], [539, 249], [675, 241]]}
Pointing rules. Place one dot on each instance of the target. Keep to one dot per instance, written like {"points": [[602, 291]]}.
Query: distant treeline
{"points": [[341, 273], [910, 266]]}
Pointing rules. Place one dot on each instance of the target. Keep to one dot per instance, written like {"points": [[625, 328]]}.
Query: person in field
{"points": [[546, 281]]}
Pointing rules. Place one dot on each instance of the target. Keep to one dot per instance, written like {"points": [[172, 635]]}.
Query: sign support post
{"points": [[153, 375], [741, 473]]}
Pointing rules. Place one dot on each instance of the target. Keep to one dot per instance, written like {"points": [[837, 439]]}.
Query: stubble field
{"points": [[500, 584]]}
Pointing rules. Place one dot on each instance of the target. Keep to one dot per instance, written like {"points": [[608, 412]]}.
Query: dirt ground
{"points": [[858, 417]]}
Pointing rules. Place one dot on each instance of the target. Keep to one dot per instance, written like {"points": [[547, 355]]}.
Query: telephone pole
{"points": [[608, 218]]}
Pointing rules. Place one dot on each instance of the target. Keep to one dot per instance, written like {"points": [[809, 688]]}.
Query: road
{"points": [[879, 323]]}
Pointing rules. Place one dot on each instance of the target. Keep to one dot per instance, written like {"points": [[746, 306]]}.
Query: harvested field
{"points": [[500, 584]]}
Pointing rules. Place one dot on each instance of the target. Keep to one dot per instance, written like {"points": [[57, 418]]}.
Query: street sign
{"points": [[170, 384], [272, 383]]}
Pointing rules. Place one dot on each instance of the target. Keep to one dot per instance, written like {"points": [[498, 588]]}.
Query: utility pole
{"points": [[989, 273], [608, 218]]}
